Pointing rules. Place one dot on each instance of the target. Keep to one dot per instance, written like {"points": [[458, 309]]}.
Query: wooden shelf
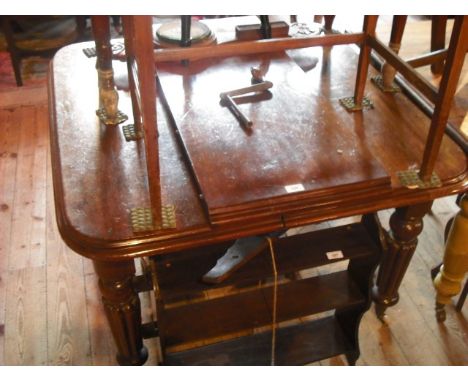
{"points": [[296, 345], [230, 323], [234, 315], [179, 273]]}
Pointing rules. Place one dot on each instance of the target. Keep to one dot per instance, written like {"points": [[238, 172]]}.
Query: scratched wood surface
{"points": [[94, 218], [50, 308], [291, 142]]}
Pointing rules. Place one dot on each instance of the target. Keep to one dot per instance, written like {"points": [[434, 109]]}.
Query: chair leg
{"points": [[16, 62], [438, 27], [14, 56]]}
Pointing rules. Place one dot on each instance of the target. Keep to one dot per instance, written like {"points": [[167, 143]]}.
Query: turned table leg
{"points": [[450, 277], [122, 307], [406, 223]]}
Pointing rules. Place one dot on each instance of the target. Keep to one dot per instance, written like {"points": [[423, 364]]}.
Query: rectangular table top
{"points": [[99, 177]]}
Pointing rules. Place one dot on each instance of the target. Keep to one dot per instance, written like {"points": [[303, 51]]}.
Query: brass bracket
{"points": [[131, 133], [142, 218], [378, 81], [410, 179], [119, 118], [350, 105]]}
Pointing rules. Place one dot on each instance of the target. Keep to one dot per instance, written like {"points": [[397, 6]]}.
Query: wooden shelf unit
{"points": [[231, 323]]}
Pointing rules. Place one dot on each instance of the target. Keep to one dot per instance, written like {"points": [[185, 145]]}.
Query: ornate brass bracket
{"points": [[410, 179], [142, 218], [350, 105], [378, 81], [108, 112], [131, 133], [111, 120]]}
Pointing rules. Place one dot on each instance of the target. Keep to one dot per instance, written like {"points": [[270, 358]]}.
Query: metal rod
{"points": [[245, 122]]}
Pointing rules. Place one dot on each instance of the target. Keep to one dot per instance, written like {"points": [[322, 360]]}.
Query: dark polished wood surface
{"points": [[292, 142], [99, 176]]}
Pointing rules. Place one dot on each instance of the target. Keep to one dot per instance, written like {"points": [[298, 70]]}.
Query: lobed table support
{"points": [[123, 311], [406, 223]]}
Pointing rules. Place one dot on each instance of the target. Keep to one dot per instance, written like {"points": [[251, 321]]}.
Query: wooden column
{"points": [[406, 223], [388, 71], [122, 307], [370, 23], [450, 277]]}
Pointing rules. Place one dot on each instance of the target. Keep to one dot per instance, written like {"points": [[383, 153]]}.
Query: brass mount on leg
{"points": [[410, 179], [108, 112], [379, 82], [350, 105], [131, 133]]}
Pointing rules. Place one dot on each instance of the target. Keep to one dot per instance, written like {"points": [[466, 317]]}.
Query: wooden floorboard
{"points": [[26, 317], [66, 299], [50, 306], [8, 163]]}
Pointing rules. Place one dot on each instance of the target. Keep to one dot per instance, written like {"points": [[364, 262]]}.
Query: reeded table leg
{"points": [[122, 307], [405, 225], [450, 277]]}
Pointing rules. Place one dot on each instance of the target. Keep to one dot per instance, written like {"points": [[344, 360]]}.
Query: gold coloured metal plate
{"points": [[410, 179], [350, 105], [142, 218], [168, 216], [378, 81], [119, 118], [131, 133]]}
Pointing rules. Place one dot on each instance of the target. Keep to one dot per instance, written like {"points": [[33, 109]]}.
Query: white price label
{"points": [[294, 188], [335, 255]]}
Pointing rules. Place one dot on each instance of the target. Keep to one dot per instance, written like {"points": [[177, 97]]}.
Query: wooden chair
{"points": [[41, 36], [448, 275]]}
